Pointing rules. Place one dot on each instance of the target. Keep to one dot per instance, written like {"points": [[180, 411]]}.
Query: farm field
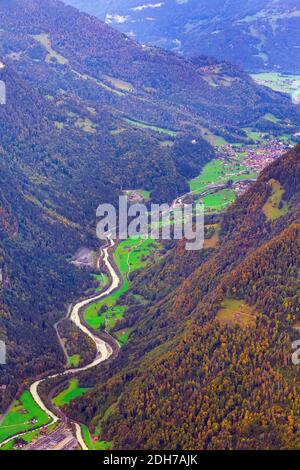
{"points": [[24, 415], [130, 255], [218, 201], [213, 139], [220, 171], [256, 136], [284, 83], [70, 393], [29, 437]]}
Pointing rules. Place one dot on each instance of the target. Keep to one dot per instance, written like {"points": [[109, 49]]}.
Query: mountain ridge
{"points": [[73, 137], [257, 34], [212, 341]]}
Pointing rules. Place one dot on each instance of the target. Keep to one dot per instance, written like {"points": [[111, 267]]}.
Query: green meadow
{"points": [[217, 201], [69, 394], [93, 444], [220, 171], [24, 415], [129, 255], [256, 136], [73, 361], [145, 125], [29, 437], [44, 39], [270, 117], [280, 82], [123, 336]]}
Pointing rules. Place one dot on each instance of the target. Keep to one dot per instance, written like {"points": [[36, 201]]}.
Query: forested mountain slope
{"points": [[256, 34], [89, 113], [208, 365], [71, 53]]}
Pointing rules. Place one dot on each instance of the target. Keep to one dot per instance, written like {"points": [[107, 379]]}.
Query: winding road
{"points": [[104, 350]]}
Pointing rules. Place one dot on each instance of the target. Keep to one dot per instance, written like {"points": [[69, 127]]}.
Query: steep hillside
{"points": [[208, 364], [90, 113], [129, 86], [256, 34]]}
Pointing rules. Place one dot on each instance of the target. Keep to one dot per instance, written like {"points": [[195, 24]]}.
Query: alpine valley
{"points": [[141, 344]]}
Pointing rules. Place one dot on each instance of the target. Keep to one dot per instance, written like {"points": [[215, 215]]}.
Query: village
{"points": [[253, 158], [256, 157]]}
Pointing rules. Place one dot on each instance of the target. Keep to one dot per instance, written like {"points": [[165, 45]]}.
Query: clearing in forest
{"points": [[44, 39], [237, 312], [275, 207], [70, 393]]}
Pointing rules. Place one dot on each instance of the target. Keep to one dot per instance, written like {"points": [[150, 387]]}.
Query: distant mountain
{"points": [[208, 364], [255, 34], [90, 113]]}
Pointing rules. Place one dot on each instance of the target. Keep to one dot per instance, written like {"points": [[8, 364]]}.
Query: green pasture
{"points": [[130, 255], [24, 415], [70, 393]]}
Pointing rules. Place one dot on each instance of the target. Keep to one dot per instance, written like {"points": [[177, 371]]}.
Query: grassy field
{"points": [[270, 117], [93, 444], [24, 415], [44, 39], [213, 139], [120, 84], [275, 207], [289, 84], [102, 445], [256, 136], [130, 255], [29, 437], [69, 394], [73, 361], [87, 437], [237, 312], [144, 125], [123, 336], [220, 171], [218, 201], [145, 194]]}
